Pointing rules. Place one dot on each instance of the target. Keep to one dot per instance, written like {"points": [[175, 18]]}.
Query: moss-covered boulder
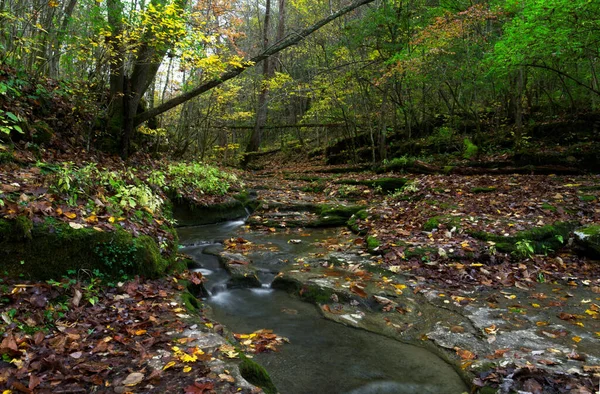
{"points": [[188, 213], [355, 225], [243, 273], [50, 249], [256, 374], [588, 239]]}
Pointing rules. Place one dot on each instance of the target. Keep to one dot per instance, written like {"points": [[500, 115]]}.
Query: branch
{"points": [[234, 72], [578, 82]]}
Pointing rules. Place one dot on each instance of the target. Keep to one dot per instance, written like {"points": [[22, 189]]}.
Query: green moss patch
{"points": [[548, 207], [372, 244], [256, 374], [542, 240], [50, 249], [385, 184]]}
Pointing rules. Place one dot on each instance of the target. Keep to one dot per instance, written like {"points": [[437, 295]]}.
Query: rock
{"points": [[243, 273], [588, 239]]}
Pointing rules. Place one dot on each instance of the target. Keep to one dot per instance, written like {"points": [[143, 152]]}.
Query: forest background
{"points": [[493, 73]]}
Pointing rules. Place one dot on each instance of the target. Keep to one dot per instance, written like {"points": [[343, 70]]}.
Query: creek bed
{"points": [[322, 356]]}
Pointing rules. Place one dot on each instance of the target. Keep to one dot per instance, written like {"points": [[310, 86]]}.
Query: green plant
{"points": [[9, 122], [524, 248], [470, 150]]}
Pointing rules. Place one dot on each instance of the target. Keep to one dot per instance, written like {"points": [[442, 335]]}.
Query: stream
{"points": [[322, 356]]}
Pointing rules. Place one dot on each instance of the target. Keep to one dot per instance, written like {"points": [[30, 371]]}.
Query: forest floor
{"points": [[515, 301], [521, 316]]}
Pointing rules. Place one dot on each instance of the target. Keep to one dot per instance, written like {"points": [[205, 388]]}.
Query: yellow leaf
{"points": [[576, 339], [7, 392], [187, 369], [70, 215], [580, 324], [111, 219], [92, 219], [400, 286], [541, 323], [535, 305], [591, 312], [169, 365], [186, 358], [209, 325], [140, 332]]}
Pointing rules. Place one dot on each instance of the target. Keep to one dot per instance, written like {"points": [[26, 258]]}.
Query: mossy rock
{"points": [[436, 221], [256, 374], [353, 223], [588, 238], [385, 184], [345, 211], [372, 244], [50, 249], [419, 253], [242, 272], [190, 303], [541, 239], [306, 291], [188, 213]]}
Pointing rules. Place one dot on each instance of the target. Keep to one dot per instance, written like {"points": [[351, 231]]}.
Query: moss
{"points": [[470, 150], [353, 225], [447, 169], [489, 189], [190, 302], [386, 184], [435, 222], [256, 374], [587, 198], [390, 184], [591, 230], [543, 239], [54, 247], [23, 226], [589, 188], [431, 224], [548, 207], [372, 243], [345, 211], [6, 157], [419, 252]]}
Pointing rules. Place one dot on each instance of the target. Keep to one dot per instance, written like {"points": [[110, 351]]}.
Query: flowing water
{"points": [[322, 356]]}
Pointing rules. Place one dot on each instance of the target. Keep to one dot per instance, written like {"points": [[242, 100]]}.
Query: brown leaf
{"points": [[533, 386], [358, 290], [9, 345], [199, 388], [465, 354], [38, 338], [34, 381]]}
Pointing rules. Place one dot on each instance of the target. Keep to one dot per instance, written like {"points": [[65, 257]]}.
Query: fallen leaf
{"points": [[133, 379]]}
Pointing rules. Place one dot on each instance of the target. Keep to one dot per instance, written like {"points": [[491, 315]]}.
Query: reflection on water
{"points": [[322, 356]]}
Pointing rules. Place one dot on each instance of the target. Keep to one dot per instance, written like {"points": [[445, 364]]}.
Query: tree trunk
{"points": [[261, 110]]}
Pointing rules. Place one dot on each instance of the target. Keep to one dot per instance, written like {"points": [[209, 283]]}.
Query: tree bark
{"points": [[262, 106]]}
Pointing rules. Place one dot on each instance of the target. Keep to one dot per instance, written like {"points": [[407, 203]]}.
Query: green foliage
{"points": [[9, 122], [524, 248], [207, 179], [470, 150]]}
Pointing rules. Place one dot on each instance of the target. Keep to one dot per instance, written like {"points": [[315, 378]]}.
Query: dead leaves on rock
{"points": [[260, 341]]}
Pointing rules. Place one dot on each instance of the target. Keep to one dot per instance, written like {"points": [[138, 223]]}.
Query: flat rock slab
{"points": [[472, 330]]}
